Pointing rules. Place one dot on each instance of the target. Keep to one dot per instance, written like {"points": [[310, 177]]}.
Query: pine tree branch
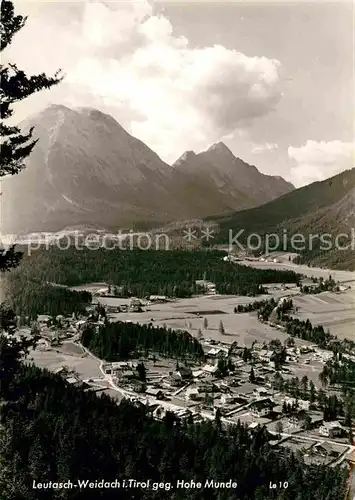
{"points": [[9, 258], [10, 24]]}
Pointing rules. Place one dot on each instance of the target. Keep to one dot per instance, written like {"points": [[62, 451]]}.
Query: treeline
{"points": [[306, 331], [295, 327], [29, 297], [340, 370], [331, 405], [54, 432], [258, 305], [328, 285], [148, 272], [266, 307], [120, 340]]}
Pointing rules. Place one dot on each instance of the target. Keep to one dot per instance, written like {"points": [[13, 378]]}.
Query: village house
{"points": [[265, 355], [43, 320], [113, 309], [217, 351], [277, 411], [207, 286], [184, 373], [331, 429], [305, 349], [126, 374], [262, 408], [159, 413], [80, 323], [227, 399], [119, 365], [260, 392], [158, 299], [316, 419], [300, 419], [135, 305], [301, 403], [180, 376], [238, 363], [73, 381], [62, 370], [173, 380], [325, 449], [153, 391], [210, 369], [220, 385], [192, 393]]}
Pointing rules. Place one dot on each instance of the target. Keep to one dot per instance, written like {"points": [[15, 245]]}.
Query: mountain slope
{"points": [[231, 175], [87, 170], [319, 208]]}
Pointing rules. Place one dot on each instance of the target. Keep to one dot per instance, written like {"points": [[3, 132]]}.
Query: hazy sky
{"points": [[274, 81]]}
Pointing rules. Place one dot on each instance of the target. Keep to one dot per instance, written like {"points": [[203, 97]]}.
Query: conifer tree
{"points": [[16, 145]]}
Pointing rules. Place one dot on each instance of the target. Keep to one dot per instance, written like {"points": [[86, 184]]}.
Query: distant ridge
{"points": [[321, 207], [231, 176]]}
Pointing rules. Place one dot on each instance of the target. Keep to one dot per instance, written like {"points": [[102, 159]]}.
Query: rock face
{"points": [[87, 170], [232, 176]]}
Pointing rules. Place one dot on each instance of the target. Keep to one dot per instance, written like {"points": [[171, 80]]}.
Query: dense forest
{"points": [[333, 406], [141, 272], [95, 439], [120, 340], [33, 297]]}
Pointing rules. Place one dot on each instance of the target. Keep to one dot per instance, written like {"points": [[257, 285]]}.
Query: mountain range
{"points": [[86, 170]]}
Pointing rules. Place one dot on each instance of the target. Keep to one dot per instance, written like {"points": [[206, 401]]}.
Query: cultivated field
{"points": [[189, 314], [335, 311], [68, 355]]}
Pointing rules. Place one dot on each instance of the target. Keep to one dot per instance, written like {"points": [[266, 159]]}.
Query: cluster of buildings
{"points": [[198, 391], [71, 377]]}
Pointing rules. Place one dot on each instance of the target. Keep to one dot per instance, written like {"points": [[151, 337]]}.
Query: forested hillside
{"points": [[95, 439], [321, 208], [30, 297], [303, 201]]}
